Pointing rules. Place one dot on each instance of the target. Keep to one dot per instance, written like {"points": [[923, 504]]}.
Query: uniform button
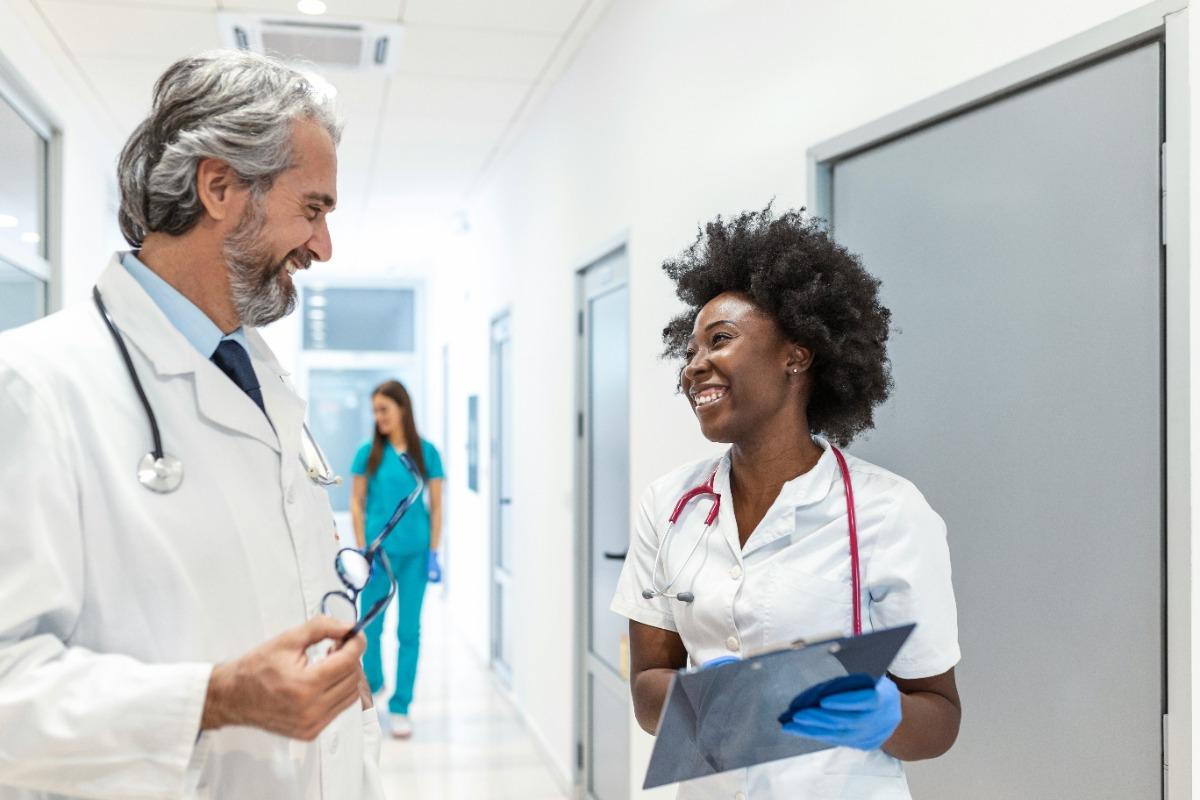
{"points": [[732, 643], [739, 796], [736, 572]]}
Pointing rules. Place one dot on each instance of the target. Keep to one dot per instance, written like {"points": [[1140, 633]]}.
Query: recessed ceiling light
{"points": [[29, 237], [8, 221], [311, 7]]}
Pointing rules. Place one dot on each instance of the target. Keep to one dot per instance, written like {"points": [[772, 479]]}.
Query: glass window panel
{"points": [[22, 297], [22, 184], [360, 319]]}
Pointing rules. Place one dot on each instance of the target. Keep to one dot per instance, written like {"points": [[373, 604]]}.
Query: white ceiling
{"points": [[416, 141]]}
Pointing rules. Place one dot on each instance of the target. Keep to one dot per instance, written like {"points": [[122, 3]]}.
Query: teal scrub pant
{"points": [[412, 573]]}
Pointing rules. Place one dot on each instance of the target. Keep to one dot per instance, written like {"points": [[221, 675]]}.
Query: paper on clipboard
{"points": [[727, 717]]}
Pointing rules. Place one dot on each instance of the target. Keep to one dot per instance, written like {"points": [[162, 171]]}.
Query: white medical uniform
{"points": [[115, 601], [792, 581]]}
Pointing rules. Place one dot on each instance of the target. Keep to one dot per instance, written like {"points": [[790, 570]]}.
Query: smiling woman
{"points": [[784, 338]]}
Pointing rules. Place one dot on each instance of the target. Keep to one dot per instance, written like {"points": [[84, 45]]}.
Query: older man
{"points": [[160, 613]]}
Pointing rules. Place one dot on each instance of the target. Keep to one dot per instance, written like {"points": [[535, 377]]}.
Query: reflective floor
{"points": [[468, 740]]}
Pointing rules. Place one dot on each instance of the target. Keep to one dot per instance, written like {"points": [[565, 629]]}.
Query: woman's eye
{"points": [[689, 355], [721, 337]]}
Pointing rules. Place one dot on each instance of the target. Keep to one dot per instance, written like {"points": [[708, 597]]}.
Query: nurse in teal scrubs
{"points": [[380, 481]]}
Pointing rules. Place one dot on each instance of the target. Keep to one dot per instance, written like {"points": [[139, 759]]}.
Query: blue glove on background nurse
{"points": [[862, 718]]}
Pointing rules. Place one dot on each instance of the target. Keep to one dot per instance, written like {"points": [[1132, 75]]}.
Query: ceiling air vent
{"points": [[333, 44]]}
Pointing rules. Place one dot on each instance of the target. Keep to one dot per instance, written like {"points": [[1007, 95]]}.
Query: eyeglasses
{"points": [[355, 566]]}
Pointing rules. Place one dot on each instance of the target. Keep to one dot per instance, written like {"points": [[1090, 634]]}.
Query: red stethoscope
{"points": [[708, 489]]}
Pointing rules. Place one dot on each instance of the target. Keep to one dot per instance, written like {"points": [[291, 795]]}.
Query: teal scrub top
{"points": [[391, 483]]}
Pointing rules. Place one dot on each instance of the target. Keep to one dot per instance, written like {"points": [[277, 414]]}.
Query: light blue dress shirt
{"points": [[193, 323]]}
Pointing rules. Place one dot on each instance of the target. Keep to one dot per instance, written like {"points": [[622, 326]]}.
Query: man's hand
{"points": [[274, 687]]}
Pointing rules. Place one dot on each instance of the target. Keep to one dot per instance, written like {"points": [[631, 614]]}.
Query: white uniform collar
{"points": [[780, 520]]}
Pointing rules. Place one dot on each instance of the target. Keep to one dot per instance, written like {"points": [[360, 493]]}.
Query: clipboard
{"points": [[727, 717]]}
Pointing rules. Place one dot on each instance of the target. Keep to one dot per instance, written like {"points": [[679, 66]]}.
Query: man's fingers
{"points": [[337, 666], [317, 629]]}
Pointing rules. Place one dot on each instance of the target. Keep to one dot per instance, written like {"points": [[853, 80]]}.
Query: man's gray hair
{"points": [[230, 105]]}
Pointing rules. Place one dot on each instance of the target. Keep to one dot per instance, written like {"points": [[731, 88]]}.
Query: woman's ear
{"points": [[799, 360]]}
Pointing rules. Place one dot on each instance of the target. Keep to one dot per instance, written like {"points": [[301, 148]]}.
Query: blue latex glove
{"points": [[718, 661], [435, 568], [863, 718]]}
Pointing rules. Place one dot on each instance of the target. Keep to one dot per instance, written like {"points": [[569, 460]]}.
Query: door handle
{"points": [[616, 556]]}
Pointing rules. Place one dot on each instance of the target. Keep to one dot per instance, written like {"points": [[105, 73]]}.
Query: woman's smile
{"points": [[706, 395]]}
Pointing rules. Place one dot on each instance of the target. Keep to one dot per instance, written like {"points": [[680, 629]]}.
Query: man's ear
{"points": [[217, 188], [799, 360]]}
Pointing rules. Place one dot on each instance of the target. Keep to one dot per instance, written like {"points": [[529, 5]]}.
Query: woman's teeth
{"points": [[709, 396]]}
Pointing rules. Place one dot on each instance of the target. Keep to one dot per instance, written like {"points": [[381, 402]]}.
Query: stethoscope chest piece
{"points": [[162, 475]]}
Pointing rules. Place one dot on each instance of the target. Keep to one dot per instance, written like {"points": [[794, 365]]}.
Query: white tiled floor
{"points": [[468, 742]]}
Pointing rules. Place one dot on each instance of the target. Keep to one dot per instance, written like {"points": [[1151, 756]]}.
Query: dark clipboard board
{"points": [[727, 717]]}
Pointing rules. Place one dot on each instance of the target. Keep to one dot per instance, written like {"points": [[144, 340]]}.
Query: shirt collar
{"points": [[189, 320], [780, 520]]}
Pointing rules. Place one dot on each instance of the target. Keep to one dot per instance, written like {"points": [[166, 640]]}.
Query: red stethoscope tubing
{"points": [[709, 488], [852, 523]]}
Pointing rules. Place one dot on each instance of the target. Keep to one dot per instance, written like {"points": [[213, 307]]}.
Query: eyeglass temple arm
{"points": [[403, 506]]}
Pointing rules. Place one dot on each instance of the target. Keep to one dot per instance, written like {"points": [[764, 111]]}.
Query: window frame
{"points": [[45, 268]]}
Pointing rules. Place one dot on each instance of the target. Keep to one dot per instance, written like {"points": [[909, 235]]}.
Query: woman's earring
{"points": [[794, 371]]}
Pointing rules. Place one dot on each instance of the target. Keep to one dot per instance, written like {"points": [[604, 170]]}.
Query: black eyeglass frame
{"points": [[372, 552]]}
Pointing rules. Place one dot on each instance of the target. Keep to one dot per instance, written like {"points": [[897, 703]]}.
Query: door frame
{"points": [[1165, 21], [618, 245], [502, 669]]}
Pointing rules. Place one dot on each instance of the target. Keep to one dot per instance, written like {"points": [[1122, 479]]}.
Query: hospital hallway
{"points": [[468, 740], [962, 218]]}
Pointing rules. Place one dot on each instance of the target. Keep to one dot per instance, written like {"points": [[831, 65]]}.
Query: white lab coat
{"points": [[792, 581], [115, 601]]}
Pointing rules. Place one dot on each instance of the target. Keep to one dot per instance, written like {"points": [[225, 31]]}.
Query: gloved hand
{"points": [[863, 719], [435, 568], [718, 661]]}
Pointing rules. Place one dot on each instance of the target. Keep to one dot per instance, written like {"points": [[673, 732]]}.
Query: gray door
{"points": [[1018, 246], [501, 496], [604, 467]]}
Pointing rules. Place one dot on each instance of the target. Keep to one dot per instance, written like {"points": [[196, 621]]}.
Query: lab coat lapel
{"points": [[144, 326], [284, 406]]}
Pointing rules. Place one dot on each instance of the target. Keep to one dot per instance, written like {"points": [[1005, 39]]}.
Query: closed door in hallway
{"points": [[501, 498], [604, 518], [1019, 249]]}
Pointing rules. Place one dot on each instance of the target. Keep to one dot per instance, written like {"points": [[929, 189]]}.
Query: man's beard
{"points": [[260, 296]]}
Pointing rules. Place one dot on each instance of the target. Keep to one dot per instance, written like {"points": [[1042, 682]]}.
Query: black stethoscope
{"points": [[163, 473]]}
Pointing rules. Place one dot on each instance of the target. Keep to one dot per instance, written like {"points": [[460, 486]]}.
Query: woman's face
{"points": [[739, 373], [388, 414]]}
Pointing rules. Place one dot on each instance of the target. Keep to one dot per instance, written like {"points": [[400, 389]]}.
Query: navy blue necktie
{"points": [[234, 361]]}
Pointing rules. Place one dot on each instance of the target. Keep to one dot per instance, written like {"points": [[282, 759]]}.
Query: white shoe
{"points": [[400, 725]]}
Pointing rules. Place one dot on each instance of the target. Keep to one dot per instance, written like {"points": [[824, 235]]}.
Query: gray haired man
{"points": [[160, 613]]}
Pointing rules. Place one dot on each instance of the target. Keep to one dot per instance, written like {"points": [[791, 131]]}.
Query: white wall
{"points": [[673, 112], [31, 56]]}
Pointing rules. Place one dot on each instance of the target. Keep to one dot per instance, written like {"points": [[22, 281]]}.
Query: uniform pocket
{"points": [[799, 605]]}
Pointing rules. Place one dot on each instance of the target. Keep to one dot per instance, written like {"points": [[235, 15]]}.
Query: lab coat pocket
{"points": [[799, 605]]}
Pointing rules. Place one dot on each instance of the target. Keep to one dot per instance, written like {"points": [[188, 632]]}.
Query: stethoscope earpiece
{"points": [[686, 597]]}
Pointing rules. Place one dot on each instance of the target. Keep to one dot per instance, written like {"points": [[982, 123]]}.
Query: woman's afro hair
{"points": [[817, 292]]}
